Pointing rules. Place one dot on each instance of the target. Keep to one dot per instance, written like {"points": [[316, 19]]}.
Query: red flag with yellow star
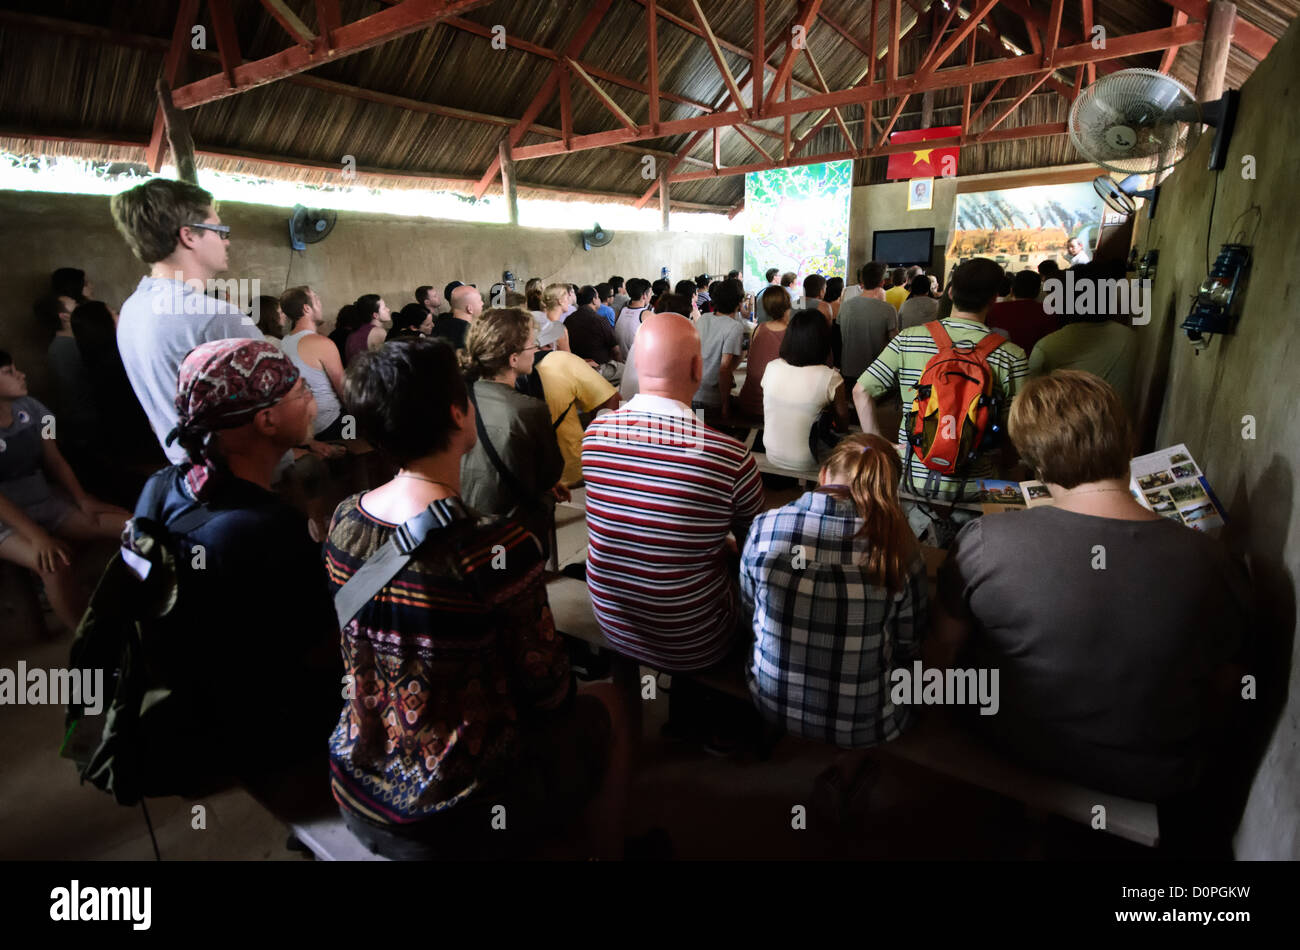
{"points": [[924, 162]]}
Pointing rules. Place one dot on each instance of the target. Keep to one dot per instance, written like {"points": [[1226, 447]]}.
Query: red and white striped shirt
{"points": [[663, 491]]}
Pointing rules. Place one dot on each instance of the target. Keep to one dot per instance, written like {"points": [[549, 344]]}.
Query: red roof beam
{"points": [[363, 34]]}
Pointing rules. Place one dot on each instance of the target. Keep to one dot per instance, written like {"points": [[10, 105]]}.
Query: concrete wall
{"points": [[364, 254], [1204, 400]]}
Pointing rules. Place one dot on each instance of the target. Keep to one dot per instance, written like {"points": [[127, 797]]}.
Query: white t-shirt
{"points": [[793, 397], [159, 324]]}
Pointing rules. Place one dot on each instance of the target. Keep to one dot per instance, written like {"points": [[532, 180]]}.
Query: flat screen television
{"points": [[903, 247]]}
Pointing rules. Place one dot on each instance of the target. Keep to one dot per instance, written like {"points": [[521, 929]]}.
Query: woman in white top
{"points": [[797, 387]]}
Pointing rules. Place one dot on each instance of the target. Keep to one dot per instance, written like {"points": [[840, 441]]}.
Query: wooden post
{"points": [[177, 126], [1214, 50], [927, 110], [508, 179], [663, 195]]}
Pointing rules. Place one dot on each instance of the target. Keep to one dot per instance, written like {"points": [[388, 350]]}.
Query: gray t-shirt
{"points": [[916, 311], [719, 334], [865, 323], [520, 429], [1104, 666], [22, 473], [160, 323]]}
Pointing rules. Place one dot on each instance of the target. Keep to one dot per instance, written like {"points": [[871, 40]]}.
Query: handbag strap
{"points": [[382, 566], [506, 475]]}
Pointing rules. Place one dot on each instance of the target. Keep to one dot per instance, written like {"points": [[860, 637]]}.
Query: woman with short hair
{"points": [[1112, 627], [462, 704], [515, 467], [797, 387], [863, 581], [919, 307]]}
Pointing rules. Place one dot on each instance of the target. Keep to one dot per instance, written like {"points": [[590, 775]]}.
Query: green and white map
{"points": [[797, 219]]}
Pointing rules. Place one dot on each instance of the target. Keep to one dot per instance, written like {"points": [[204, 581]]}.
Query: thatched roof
{"points": [[84, 70]]}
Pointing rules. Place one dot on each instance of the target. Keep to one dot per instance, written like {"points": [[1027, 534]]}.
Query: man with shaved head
{"points": [[466, 304], [663, 492]]}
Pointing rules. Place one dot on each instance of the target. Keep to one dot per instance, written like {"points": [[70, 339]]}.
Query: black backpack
{"points": [[143, 744]]}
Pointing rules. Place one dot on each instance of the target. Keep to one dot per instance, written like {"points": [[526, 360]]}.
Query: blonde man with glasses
{"points": [[173, 227]]}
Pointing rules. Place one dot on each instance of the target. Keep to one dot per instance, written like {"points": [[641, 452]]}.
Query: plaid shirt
{"points": [[826, 637]]}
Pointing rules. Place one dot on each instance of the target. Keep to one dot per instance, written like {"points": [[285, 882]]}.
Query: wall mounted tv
{"points": [[903, 247]]}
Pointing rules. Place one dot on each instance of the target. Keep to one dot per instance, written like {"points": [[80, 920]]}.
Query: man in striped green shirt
{"points": [[898, 368]]}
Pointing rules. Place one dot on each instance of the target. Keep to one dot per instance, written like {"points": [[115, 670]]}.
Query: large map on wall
{"points": [[797, 219], [1020, 227]]}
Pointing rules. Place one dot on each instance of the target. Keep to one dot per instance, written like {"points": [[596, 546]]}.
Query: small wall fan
{"points": [[596, 237], [309, 226]]}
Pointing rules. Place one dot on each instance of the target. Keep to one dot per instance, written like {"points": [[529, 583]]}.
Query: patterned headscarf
{"points": [[222, 385]]}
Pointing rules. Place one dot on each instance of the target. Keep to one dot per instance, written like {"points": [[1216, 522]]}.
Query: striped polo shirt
{"points": [[663, 491], [899, 368]]}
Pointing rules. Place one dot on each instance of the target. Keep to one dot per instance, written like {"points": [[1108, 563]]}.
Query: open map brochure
{"points": [[1168, 482]]}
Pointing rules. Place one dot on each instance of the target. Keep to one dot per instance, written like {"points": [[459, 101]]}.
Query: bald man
{"points": [[663, 492], [466, 304]]}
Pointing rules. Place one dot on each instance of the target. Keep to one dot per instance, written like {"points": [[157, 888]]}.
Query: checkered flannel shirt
{"points": [[826, 637]]}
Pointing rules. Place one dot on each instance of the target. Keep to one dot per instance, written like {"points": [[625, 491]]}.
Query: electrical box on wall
{"points": [[1212, 310]]}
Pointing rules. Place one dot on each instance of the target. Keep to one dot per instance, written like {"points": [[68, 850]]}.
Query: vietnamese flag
{"points": [[924, 162]]}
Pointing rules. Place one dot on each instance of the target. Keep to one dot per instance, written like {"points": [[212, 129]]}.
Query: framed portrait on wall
{"points": [[920, 194]]}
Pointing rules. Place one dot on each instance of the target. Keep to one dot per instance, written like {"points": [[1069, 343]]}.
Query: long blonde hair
{"points": [[867, 468]]}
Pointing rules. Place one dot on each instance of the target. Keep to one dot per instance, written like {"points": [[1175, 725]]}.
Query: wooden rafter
{"points": [[291, 22], [1014, 106], [740, 130], [1169, 55], [821, 81], [605, 99], [366, 33], [1086, 13], [1052, 36], [595, 13], [328, 19], [803, 20], [1068, 57], [223, 25], [652, 60], [716, 52]]}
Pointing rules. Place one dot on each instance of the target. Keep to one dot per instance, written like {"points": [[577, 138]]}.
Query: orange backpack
{"points": [[954, 413]]}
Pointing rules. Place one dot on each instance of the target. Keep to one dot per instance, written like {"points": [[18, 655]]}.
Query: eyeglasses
{"points": [[535, 346], [222, 229]]}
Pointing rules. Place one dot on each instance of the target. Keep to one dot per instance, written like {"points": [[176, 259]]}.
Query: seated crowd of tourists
{"points": [[458, 691]]}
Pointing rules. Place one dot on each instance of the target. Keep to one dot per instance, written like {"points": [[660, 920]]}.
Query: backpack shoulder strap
{"points": [[150, 506], [988, 344], [939, 333]]}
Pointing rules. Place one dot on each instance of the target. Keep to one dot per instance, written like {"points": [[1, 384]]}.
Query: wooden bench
{"points": [[304, 804], [806, 477], [935, 743]]}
